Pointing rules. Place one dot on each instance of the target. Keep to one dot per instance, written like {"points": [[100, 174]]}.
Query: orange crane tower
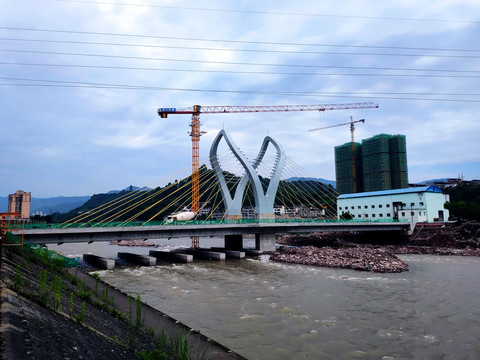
{"points": [[196, 132]]}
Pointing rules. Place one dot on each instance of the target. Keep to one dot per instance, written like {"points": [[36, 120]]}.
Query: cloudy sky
{"points": [[81, 81]]}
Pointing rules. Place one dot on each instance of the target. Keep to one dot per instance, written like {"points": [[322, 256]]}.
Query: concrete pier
{"points": [[252, 252], [171, 256], [204, 254], [138, 259], [265, 242], [231, 254], [98, 261]]}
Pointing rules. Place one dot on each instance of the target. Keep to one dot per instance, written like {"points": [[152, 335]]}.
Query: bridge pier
{"points": [[265, 242], [234, 242]]}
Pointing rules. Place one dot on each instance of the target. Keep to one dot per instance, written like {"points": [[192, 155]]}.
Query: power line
{"points": [[202, 61], [252, 72], [226, 40], [61, 83], [258, 12]]}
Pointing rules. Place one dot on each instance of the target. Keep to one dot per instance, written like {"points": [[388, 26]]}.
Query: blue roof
{"points": [[392, 192]]}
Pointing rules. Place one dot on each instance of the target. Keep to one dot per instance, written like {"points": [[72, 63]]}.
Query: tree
{"points": [[464, 201]]}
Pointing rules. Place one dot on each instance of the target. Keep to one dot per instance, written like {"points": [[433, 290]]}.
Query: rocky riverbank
{"points": [[340, 250], [357, 257]]}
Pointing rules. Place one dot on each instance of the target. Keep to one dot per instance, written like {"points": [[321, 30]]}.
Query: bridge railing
{"points": [[201, 222]]}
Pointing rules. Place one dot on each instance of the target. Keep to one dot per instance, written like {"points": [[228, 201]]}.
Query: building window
{"points": [[388, 205], [340, 208], [421, 203], [403, 213], [366, 215], [412, 204], [388, 214], [373, 206], [373, 215], [380, 215], [412, 213], [380, 206], [359, 215], [366, 206], [353, 207], [359, 207]]}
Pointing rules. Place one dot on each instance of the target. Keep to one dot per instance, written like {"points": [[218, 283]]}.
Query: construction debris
{"points": [[142, 243], [339, 250], [357, 257]]}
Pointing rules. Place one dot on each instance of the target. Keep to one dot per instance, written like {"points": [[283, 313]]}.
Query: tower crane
{"points": [[352, 130], [196, 132]]}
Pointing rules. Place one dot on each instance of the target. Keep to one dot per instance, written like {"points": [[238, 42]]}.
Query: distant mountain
{"points": [[128, 188], [328, 182], [3, 203], [59, 204], [49, 205], [433, 181]]}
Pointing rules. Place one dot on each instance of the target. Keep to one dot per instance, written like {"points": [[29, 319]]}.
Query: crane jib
{"points": [[197, 109]]}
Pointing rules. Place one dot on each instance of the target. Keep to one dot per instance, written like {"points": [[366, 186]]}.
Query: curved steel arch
{"points": [[263, 200]]}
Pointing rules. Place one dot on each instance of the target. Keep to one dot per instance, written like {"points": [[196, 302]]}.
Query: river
{"points": [[267, 310]]}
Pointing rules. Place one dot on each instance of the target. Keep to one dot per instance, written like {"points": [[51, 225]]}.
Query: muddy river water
{"points": [[266, 310]]}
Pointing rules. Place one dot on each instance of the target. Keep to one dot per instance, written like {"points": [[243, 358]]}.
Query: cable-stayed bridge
{"points": [[233, 232], [240, 194]]}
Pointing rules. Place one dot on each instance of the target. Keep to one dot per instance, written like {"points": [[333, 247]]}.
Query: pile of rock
{"points": [[318, 239], [433, 250], [451, 237], [358, 257], [142, 243]]}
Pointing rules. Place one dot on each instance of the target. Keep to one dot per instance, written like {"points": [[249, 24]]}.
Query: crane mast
{"points": [[196, 132], [352, 146]]}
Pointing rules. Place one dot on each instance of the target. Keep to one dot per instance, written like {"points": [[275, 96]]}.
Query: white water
{"points": [[267, 310]]}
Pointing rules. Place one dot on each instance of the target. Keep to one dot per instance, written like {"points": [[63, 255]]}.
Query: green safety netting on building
{"points": [[43, 252]]}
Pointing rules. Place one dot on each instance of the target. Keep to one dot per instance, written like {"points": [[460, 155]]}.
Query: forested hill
{"points": [[464, 201], [160, 202]]}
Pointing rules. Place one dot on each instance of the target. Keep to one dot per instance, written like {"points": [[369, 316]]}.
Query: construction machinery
{"points": [[196, 132], [352, 130]]}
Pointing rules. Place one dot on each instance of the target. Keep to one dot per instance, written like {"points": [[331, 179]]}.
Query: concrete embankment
{"points": [[50, 313], [157, 320]]}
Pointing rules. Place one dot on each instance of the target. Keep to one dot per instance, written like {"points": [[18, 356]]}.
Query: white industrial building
{"points": [[419, 204]]}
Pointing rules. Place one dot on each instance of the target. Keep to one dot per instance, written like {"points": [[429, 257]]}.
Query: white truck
{"points": [[181, 216]]}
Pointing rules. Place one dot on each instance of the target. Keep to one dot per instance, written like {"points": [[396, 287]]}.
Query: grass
{"points": [[47, 291]]}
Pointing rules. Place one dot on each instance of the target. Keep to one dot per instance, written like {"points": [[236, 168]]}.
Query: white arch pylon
{"points": [[263, 200]]}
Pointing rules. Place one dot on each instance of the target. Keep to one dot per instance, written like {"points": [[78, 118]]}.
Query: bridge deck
{"points": [[95, 234]]}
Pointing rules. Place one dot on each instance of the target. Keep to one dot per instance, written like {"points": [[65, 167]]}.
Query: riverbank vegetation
{"points": [[464, 201]]}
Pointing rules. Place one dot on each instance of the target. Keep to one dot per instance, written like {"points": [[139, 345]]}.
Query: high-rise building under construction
{"points": [[378, 163]]}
